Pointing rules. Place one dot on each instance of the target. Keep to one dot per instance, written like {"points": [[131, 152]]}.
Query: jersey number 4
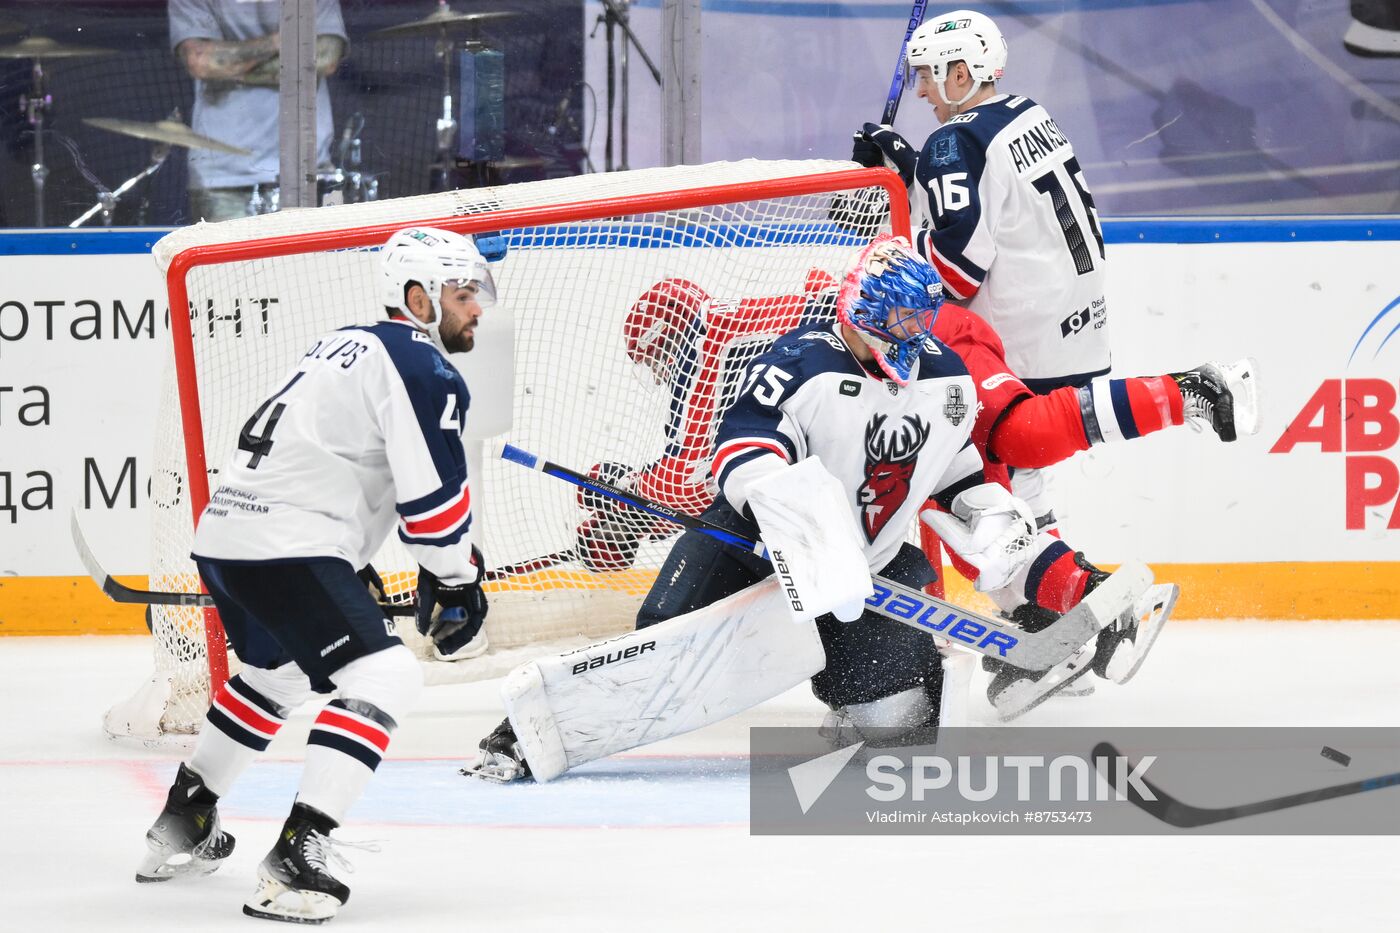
{"points": [[1050, 185], [260, 445]]}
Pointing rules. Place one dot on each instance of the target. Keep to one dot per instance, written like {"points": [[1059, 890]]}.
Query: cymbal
{"points": [[40, 47], [440, 22], [164, 131]]}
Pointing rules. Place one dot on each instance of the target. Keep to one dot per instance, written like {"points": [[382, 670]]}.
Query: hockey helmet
{"points": [[890, 298], [961, 36], [431, 258], [661, 325]]}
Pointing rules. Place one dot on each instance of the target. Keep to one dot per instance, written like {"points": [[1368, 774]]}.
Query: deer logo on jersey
{"points": [[890, 458]]}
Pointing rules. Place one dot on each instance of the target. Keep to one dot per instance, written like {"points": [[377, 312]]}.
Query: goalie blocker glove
{"points": [[456, 631]]}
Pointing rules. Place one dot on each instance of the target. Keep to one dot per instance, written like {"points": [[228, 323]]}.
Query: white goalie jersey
{"points": [[891, 447], [364, 435]]}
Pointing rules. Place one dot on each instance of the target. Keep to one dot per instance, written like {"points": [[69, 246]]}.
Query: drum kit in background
{"points": [[455, 34]]}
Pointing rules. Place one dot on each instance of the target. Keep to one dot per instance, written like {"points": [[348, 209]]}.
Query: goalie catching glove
{"points": [[453, 615], [990, 529]]}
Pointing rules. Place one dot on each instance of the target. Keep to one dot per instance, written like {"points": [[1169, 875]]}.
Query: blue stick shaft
{"points": [[916, 16]]}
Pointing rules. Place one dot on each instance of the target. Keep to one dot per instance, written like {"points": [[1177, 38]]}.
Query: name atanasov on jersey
{"points": [[1035, 144]]}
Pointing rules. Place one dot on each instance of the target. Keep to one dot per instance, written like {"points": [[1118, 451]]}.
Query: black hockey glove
{"points": [[468, 597], [877, 145]]}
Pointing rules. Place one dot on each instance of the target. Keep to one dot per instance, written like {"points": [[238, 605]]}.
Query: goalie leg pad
{"points": [[660, 681]]}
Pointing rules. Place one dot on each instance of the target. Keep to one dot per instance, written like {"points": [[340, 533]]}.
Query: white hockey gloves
{"points": [[812, 540], [991, 529]]}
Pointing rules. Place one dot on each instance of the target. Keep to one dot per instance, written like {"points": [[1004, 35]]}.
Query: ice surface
{"points": [[659, 842]]}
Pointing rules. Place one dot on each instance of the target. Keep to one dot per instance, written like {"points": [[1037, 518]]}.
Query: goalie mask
{"points": [[961, 36], [662, 325], [890, 298], [432, 258]]}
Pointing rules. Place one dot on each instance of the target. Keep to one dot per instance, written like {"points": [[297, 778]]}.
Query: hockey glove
{"points": [[468, 597], [990, 529], [877, 144]]}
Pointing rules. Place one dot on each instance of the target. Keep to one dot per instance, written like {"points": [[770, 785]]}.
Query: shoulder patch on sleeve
{"points": [[945, 149]]}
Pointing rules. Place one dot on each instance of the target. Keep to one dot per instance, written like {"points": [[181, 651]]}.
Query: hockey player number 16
{"points": [[1049, 184]]}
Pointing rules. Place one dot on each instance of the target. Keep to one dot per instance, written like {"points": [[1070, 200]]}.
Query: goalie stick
{"points": [[120, 593], [1175, 813], [961, 627]]}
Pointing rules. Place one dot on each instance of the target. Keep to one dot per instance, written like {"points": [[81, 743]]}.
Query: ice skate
{"points": [[1223, 396], [185, 839], [1123, 646], [294, 881], [1013, 691], [501, 759]]}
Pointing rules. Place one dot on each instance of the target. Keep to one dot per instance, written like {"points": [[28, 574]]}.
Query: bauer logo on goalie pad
{"points": [[785, 577], [612, 657]]}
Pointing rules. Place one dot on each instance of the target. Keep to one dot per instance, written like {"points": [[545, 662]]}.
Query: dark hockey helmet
{"points": [[662, 323], [890, 297]]}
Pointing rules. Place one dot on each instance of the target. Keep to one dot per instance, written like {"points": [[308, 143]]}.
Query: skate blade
{"points": [[1242, 379], [1154, 609], [1020, 698], [276, 901], [158, 867], [497, 771]]}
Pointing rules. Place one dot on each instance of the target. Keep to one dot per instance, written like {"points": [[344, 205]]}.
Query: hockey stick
{"points": [[1175, 813], [916, 16], [120, 593], [962, 627], [533, 565]]}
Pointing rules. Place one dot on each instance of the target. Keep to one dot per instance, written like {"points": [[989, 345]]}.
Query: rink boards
{"points": [[1299, 521]]}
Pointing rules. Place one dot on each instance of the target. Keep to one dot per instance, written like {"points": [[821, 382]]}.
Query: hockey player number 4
{"points": [[260, 445]]}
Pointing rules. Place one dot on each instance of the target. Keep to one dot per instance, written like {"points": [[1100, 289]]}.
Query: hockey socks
{"points": [[346, 744], [1057, 577], [243, 722], [1122, 409]]}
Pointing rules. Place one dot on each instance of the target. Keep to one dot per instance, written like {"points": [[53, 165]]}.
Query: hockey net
{"points": [[700, 267]]}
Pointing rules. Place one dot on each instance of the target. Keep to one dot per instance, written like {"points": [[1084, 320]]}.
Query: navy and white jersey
{"points": [[364, 434], [1001, 208], [892, 447]]}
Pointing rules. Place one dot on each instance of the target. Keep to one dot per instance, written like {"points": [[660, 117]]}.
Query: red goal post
{"points": [[748, 233]]}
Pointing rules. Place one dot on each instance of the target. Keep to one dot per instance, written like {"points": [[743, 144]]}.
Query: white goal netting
{"points": [[629, 305]]}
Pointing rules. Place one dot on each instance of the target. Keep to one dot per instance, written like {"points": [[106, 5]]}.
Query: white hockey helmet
{"points": [[431, 258], [961, 36]]}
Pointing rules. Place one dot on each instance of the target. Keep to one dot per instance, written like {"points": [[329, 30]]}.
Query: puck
{"points": [[1331, 754]]}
